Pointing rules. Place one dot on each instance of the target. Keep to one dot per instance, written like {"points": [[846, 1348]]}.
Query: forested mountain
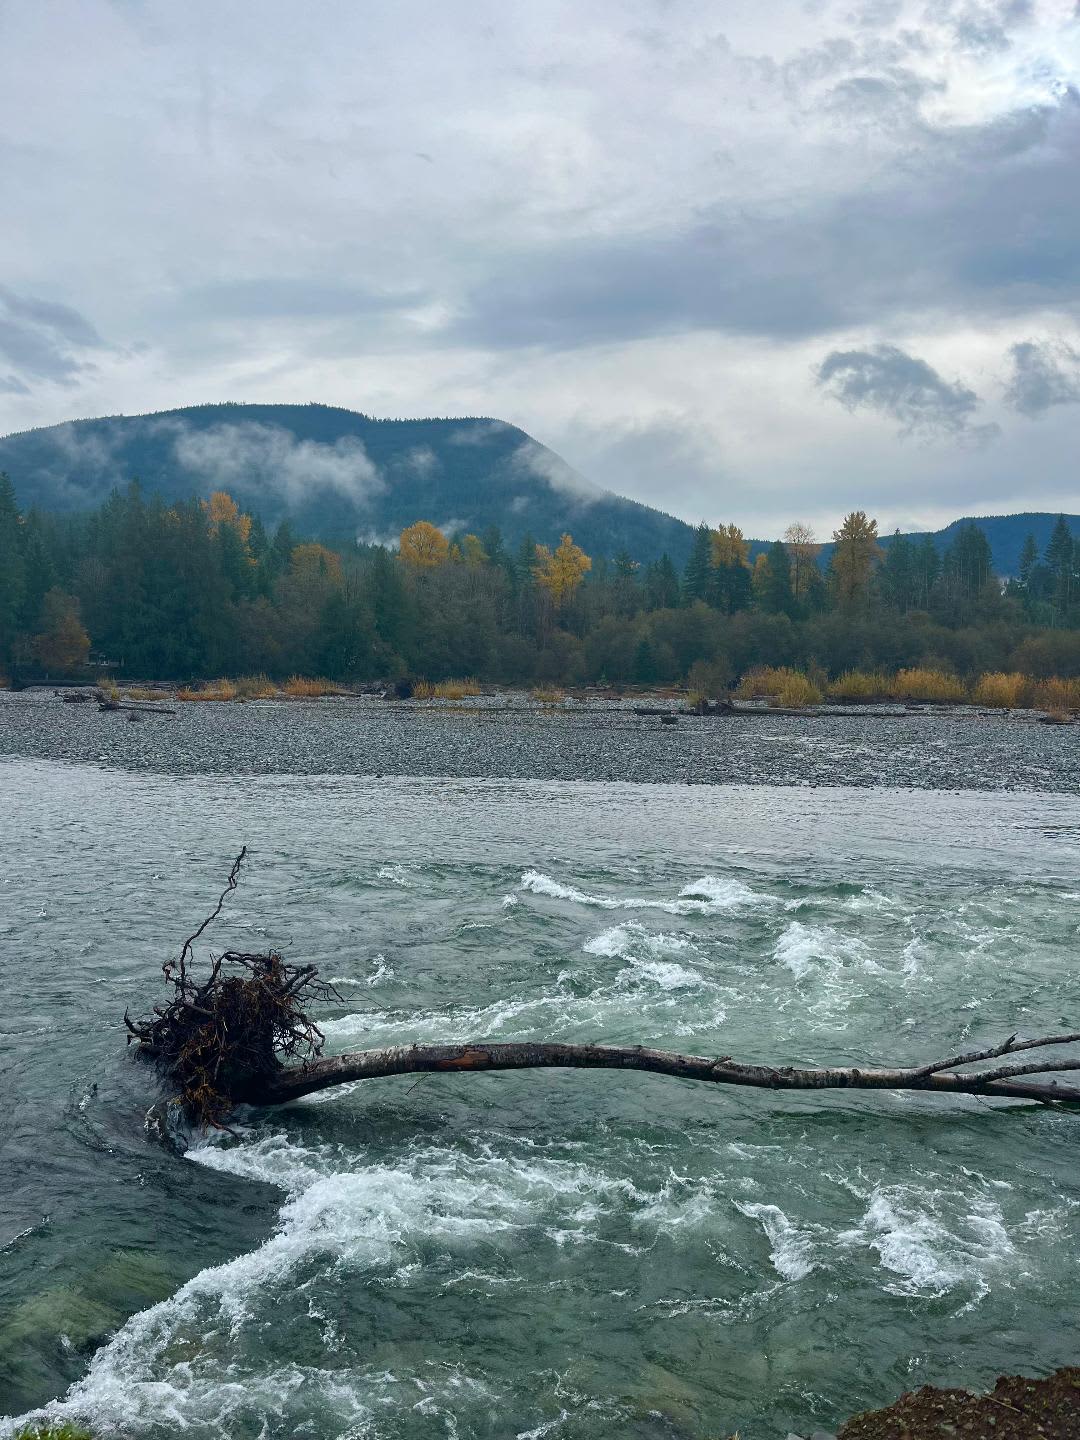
{"points": [[338, 475], [1006, 535]]}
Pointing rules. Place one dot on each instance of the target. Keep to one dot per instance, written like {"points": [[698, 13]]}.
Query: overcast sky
{"points": [[745, 261]]}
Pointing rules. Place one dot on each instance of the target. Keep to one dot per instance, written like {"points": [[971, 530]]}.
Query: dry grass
{"points": [[1002, 691], [143, 692], [445, 689], [764, 681], [456, 689], [255, 687], [303, 687], [797, 692], [1055, 695], [865, 685], [927, 685], [780, 685], [108, 690], [548, 696], [212, 690]]}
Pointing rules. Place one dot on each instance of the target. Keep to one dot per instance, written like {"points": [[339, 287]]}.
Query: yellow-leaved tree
{"points": [[561, 574], [729, 547], [475, 554], [62, 643], [315, 562], [423, 546], [855, 553], [222, 509]]}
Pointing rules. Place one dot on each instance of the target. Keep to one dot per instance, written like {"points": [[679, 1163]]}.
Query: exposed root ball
{"points": [[221, 1040]]}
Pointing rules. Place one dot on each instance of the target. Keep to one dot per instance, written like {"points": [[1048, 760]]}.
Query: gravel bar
{"points": [[598, 740]]}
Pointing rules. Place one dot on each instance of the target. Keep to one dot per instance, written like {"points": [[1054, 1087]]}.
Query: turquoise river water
{"points": [[561, 1254]]}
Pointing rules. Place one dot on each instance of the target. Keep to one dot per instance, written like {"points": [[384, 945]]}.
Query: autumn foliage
{"points": [[423, 546], [561, 573]]}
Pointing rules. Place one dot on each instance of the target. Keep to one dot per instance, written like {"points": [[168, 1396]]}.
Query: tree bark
{"points": [[937, 1077]]}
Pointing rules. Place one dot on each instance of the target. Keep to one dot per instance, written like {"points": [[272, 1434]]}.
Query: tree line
{"points": [[199, 588]]}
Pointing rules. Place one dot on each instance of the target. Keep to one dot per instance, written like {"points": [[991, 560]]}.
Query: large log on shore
{"points": [[474, 1057]]}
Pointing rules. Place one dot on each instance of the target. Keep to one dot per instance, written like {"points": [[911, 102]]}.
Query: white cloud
{"points": [[248, 459]]}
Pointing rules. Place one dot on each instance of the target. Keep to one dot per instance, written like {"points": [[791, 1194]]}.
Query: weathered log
{"points": [[481, 1055], [136, 708]]}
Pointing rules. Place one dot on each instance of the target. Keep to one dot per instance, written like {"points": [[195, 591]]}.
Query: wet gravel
{"points": [[964, 749]]}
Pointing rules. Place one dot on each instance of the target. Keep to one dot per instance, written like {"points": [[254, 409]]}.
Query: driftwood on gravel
{"points": [[241, 1034], [135, 709]]}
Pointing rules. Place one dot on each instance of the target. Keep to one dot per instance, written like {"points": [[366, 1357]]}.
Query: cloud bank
{"points": [[663, 237]]}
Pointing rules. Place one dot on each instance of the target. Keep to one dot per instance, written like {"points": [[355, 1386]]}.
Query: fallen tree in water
{"points": [[242, 1035]]}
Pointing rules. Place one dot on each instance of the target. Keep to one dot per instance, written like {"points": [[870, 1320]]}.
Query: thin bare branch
{"points": [[1008, 1047], [185, 951]]}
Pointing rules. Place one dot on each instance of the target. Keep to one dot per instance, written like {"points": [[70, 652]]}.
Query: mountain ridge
{"points": [[339, 474], [343, 475]]}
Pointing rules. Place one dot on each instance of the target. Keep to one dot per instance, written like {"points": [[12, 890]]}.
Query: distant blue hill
{"points": [[340, 475]]}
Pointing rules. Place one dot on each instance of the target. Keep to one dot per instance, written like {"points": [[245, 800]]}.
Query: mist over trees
{"points": [[189, 589]]}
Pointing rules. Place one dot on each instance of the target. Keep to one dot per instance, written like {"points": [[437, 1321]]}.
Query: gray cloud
{"points": [[43, 341], [249, 459], [981, 222], [1045, 373], [273, 297], [906, 389]]}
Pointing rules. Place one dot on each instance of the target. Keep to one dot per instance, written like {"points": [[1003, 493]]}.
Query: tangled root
{"points": [[220, 1040]]}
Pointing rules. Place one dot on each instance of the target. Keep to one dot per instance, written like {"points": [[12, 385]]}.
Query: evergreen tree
{"points": [[697, 577], [968, 564], [897, 577], [772, 582], [12, 568], [645, 663], [1029, 559], [927, 571], [662, 585], [1061, 563], [39, 573]]}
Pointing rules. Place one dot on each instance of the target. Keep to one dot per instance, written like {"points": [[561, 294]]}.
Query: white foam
{"points": [[338, 1214], [930, 1254], [394, 875], [631, 939], [791, 1252], [708, 896], [383, 971], [819, 950]]}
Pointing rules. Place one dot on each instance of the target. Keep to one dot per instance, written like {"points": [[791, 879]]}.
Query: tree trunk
{"points": [[937, 1078]]}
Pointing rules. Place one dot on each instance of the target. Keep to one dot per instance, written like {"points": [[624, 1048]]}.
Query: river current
{"points": [[558, 1254]]}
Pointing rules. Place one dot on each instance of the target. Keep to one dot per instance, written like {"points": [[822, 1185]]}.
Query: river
{"points": [[561, 1254]]}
